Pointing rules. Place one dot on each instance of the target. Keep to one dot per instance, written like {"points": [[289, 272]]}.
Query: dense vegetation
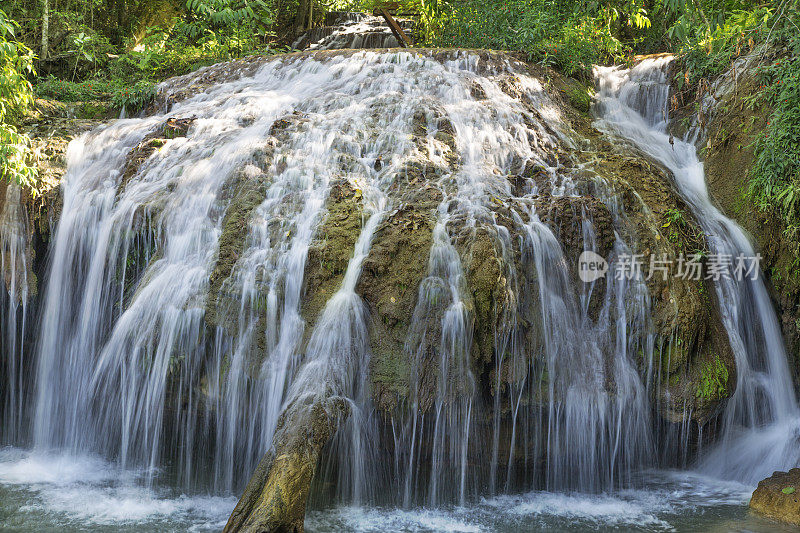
{"points": [[775, 178], [16, 66], [115, 51]]}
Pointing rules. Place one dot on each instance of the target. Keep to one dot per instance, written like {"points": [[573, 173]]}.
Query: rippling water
{"points": [[41, 492]]}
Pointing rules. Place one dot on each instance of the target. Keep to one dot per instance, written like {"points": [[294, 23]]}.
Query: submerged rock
{"points": [[778, 497]]}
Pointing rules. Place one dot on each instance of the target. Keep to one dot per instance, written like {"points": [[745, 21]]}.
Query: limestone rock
{"points": [[778, 497]]}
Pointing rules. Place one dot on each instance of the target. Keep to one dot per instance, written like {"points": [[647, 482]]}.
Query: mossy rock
{"points": [[732, 128], [392, 273], [152, 142], [776, 499], [243, 192], [332, 248]]}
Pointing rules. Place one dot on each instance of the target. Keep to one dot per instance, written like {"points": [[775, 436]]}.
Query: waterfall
{"points": [[178, 327], [391, 238], [761, 422], [14, 296], [352, 31]]}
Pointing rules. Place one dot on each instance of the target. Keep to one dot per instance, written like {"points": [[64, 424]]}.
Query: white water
{"points": [[354, 31], [14, 297], [85, 492], [761, 423], [128, 370], [136, 394], [671, 502]]}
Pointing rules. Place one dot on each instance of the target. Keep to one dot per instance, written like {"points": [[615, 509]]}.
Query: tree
{"points": [[16, 96], [45, 28]]}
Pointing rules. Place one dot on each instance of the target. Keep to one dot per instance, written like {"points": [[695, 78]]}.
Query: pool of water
{"points": [[51, 492], [48, 492]]}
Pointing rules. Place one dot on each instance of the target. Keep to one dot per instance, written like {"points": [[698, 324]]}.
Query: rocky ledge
{"points": [[778, 497]]}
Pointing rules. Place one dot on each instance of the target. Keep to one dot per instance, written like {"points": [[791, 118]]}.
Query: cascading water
{"points": [[195, 319], [122, 341], [353, 31], [14, 296], [761, 423]]}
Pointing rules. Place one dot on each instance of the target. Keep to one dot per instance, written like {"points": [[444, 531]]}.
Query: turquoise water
{"points": [[55, 492]]}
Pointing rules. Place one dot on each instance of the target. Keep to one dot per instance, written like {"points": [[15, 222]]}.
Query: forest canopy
{"points": [[112, 53]]}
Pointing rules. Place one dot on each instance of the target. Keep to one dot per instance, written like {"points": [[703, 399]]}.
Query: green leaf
{"points": [[788, 490]]}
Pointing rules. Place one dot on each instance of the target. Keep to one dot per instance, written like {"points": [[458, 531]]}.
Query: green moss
{"points": [[713, 380], [392, 273], [687, 237], [93, 110], [248, 193], [152, 142], [392, 375], [175, 127], [332, 248]]}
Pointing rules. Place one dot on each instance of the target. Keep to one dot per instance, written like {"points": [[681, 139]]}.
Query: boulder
{"points": [[778, 497]]}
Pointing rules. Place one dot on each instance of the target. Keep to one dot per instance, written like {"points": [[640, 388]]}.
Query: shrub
{"points": [[70, 91], [774, 184], [16, 96], [134, 99]]}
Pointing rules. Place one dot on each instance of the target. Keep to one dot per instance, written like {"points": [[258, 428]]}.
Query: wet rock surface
{"points": [[730, 127], [778, 497], [51, 127], [574, 188]]}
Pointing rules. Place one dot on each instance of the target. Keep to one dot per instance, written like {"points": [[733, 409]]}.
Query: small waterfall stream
{"points": [[353, 31], [761, 423], [14, 296]]}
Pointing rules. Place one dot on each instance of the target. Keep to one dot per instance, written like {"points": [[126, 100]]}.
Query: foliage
{"points": [[775, 178], [571, 36], [70, 91], [707, 52], [227, 17], [16, 63], [211, 32], [16, 96], [682, 234], [134, 99]]}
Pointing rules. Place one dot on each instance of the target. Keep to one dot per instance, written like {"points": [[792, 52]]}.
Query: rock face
{"points": [[36, 212], [730, 125], [778, 497], [415, 368], [485, 188], [27, 219]]}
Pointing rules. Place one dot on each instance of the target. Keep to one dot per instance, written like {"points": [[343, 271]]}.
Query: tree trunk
{"points": [[300, 17], [275, 498], [45, 29]]}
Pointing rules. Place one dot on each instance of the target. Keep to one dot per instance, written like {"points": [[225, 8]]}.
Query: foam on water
{"points": [[361, 519], [671, 501], [86, 491], [597, 509]]}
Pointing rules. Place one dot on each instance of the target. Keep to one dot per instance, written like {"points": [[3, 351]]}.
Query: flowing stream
{"points": [[761, 423], [14, 287], [166, 357]]}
